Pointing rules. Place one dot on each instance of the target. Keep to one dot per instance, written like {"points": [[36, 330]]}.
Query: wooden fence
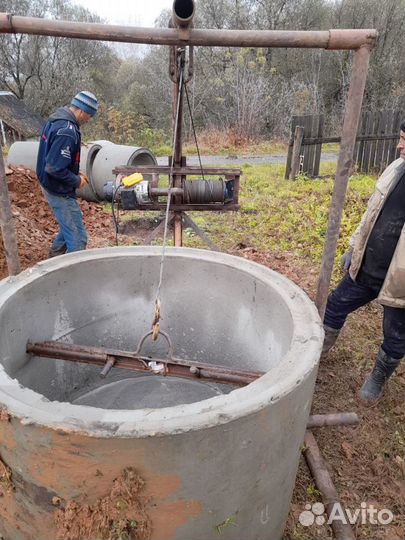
{"points": [[376, 143]]}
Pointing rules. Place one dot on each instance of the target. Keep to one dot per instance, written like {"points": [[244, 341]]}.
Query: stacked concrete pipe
{"points": [[98, 159], [220, 465]]}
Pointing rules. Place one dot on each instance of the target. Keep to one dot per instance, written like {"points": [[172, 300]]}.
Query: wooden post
{"points": [[318, 148], [7, 225], [295, 162], [3, 133]]}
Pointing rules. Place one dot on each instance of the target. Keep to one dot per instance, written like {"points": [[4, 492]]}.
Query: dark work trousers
{"points": [[349, 296]]}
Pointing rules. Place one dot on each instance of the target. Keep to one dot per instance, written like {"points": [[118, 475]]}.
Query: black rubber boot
{"points": [[331, 335], [373, 387], [55, 252]]}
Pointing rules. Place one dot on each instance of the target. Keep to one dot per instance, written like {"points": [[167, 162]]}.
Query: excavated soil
{"points": [[36, 225], [120, 515], [365, 462]]}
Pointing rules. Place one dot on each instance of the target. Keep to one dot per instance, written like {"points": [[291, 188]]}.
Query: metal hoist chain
{"points": [[157, 313]]}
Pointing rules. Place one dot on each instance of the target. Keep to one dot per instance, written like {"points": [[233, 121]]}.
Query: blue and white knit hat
{"points": [[86, 101]]}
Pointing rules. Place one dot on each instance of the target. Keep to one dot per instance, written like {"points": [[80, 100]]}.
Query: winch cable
{"points": [[194, 131], [156, 317], [208, 183]]}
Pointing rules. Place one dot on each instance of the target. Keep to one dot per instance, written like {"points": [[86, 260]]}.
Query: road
{"points": [[237, 160]]}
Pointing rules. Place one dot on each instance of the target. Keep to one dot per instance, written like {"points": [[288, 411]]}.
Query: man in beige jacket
{"points": [[375, 268]]}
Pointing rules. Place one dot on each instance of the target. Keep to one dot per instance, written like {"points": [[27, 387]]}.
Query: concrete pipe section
{"points": [[109, 156], [88, 154], [23, 154], [154, 457], [97, 160]]}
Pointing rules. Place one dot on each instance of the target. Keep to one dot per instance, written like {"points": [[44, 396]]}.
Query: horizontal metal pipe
{"points": [[324, 482], [333, 419], [322, 39], [109, 358], [165, 191]]}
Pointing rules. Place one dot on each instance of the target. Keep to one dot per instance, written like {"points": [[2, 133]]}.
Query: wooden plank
{"points": [[305, 149], [318, 148], [290, 147], [376, 131], [295, 161], [7, 224], [361, 131], [322, 140], [387, 142], [395, 129], [380, 143], [357, 146], [311, 148], [368, 130]]}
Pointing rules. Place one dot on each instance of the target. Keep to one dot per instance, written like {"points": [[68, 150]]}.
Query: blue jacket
{"points": [[59, 154]]}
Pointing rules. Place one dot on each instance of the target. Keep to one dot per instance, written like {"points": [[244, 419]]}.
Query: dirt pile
{"points": [[35, 223]]}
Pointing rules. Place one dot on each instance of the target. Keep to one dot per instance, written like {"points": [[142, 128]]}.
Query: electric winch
{"points": [[133, 191]]}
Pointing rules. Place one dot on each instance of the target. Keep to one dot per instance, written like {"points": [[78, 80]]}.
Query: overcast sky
{"points": [[133, 12]]}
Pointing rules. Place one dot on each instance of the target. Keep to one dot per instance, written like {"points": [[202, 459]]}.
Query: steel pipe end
{"points": [[183, 13]]}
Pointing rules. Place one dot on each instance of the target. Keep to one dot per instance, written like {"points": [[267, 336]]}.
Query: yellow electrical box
{"points": [[132, 180]]}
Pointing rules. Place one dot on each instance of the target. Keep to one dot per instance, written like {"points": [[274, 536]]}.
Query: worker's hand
{"points": [[83, 180], [345, 261]]}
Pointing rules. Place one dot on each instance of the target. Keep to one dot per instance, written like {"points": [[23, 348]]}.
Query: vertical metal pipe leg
{"points": [[178, 229], [350, 125], [7, 225]]}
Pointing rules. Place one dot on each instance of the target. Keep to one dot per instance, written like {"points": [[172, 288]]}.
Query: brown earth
{"points": [[36, 225], [366, 462], [121, 515]]}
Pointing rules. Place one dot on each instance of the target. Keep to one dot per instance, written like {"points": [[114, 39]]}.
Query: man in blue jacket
{"points": [[58, 170]]}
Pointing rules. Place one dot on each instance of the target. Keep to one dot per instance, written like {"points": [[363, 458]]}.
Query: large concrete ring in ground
{"points": [[224, 466]]}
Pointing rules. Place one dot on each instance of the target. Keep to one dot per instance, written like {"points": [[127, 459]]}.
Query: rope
{"points": [[156, 317]]}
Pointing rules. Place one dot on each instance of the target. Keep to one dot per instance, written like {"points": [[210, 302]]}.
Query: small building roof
{"points": [[19, 116]]}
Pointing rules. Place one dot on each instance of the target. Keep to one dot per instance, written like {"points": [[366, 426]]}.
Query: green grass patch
{"points": [[278, 214], [331, 148]]}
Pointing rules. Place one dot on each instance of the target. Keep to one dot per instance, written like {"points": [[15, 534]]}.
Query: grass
{"points": [[252, 149], [228, 143], [277, 214]]}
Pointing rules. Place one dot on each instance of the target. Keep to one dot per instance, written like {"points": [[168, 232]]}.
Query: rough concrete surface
{"points": [[226, 463]]}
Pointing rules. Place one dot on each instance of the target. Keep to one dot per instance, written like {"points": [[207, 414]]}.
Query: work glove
{"points": [[345, 261], [83, 180]]}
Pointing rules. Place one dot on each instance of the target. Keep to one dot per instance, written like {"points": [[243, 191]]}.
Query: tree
{"points": [[48, 71]]}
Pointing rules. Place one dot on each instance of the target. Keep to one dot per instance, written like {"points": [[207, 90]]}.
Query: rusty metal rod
{"points": [[321, 39], [333, 419], [350, 125], [325, 485], [7, 224], [108, 358], [164, 191]]}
